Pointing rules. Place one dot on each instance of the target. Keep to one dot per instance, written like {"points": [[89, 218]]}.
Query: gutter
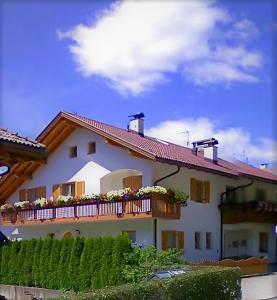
{"points": [[221, 212], [155, 220]]}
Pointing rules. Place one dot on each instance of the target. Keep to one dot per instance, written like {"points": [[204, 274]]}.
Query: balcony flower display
{"points": [[22, 205], [7, 208], [148, 190], [41, 202], [122, 194], [63, 200], [90, 197]]}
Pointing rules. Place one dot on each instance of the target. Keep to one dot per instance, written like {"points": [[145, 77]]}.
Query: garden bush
{"points": [[214, 283], [80, 264]]}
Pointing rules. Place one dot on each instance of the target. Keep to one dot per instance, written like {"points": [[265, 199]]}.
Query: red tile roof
{"points": [[172, 153], [7, 136]]}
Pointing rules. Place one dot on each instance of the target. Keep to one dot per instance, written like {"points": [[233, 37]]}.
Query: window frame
{"points": [[73, 151], [197, 240], [91, 148], [129, 232], [205, 192], [209, 240], [72, 184], [261, 236]]}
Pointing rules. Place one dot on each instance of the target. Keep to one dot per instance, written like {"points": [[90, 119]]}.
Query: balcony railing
{"points": [[142, 208]]}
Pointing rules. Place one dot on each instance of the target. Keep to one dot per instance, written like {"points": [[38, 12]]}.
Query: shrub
{"points": [[4, 264], [35, 270], [53, 265], [106, 261], [44, 262], [74, 262], [12, 263], [208, 283], [28, 262], [95, 263], [84, 268]]}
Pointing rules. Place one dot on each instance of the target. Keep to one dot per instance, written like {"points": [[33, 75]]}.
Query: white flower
{"points": [[41, 202], [90, 196], [115, 194], [64, 199], [151, 189], [21, 204]]}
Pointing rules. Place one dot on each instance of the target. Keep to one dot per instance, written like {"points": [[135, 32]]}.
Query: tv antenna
{"points": [[186, 133]]}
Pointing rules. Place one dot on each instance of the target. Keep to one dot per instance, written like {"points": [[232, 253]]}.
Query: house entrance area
{"points": [[249, 239]]}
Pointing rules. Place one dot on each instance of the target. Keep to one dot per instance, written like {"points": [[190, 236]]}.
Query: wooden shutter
{"points": [[41, 192], [133, 182], [56, 191], [207, 191], [193, 189], [23, 195], [79, 188], [181, 241], [164, 240]]}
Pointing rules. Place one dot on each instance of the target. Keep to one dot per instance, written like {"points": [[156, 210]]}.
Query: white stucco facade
{"points": [[104, 171]]}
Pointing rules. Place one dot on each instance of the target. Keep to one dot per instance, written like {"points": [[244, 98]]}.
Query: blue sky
{"points": [[208, 72]]}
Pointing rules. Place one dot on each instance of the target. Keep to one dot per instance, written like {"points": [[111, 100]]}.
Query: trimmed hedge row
{"points": [[73, 264], [208, 283]]}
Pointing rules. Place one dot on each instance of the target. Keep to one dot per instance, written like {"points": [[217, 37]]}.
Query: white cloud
{"points": [[233, 142], [244, 29], [136, 44]]}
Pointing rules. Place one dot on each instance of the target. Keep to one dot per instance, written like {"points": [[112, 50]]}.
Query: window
{"points": [[91, 147], [200, 190], [68, 189], [208, 240], [132, 235], [173, 239], [197, 236], [260, 194], [32, 194], [263, 242], [73, 152]]}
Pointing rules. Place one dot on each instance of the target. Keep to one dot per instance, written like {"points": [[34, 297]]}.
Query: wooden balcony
{"points": [[153, 207]]}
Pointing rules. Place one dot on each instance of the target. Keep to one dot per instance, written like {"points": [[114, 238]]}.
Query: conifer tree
{"points": [[121, 247], [84, 268], [63, 273], [95, 263], [53, 265], [75, 255], [19, 262], [12, 263], [106, 261], [28, 262], [4, 263], [36, 261], [44, 261]]}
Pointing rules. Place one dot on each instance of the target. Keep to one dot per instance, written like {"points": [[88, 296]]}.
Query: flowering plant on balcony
{"points": [[7, 208], [63, 200], [41, 202], [179, 196], [22, 204], [148, 190], [90, 197], [122, 194]]}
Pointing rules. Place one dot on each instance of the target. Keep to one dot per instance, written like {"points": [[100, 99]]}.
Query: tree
{"points": [[28, 262], [106, 261], [84, 268], [76, 252], [12, 263], [53, 265], [44, 261], [4, 263], [19, 262], [36, 262], [95, 263]]}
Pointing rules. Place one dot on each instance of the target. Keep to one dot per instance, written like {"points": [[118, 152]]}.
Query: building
{"points": [[231, 211]]}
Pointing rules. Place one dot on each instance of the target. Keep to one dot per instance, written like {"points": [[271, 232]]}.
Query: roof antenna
{"points": [[186, 132]]}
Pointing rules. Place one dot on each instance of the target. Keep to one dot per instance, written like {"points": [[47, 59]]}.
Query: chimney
{"points": [[136, 123], [263, 166], [208, 146]]}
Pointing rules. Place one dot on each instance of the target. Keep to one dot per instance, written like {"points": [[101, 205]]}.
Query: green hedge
{"points": [[206, 284]]}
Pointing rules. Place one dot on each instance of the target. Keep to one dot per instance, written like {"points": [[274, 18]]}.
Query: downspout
{"points": [[155, 220], [221, 211]]}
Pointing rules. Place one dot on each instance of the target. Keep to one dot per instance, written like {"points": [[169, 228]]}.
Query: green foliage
{"points": [[20, 259], [44, 262], [208, 283], [141, 262], [121, 246], [53, 265], [84, 268], [106, 261], [95, 263], [63, 274], [4, 264], [12, 263], [76, 252], [28, 262], [36, 261]]}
